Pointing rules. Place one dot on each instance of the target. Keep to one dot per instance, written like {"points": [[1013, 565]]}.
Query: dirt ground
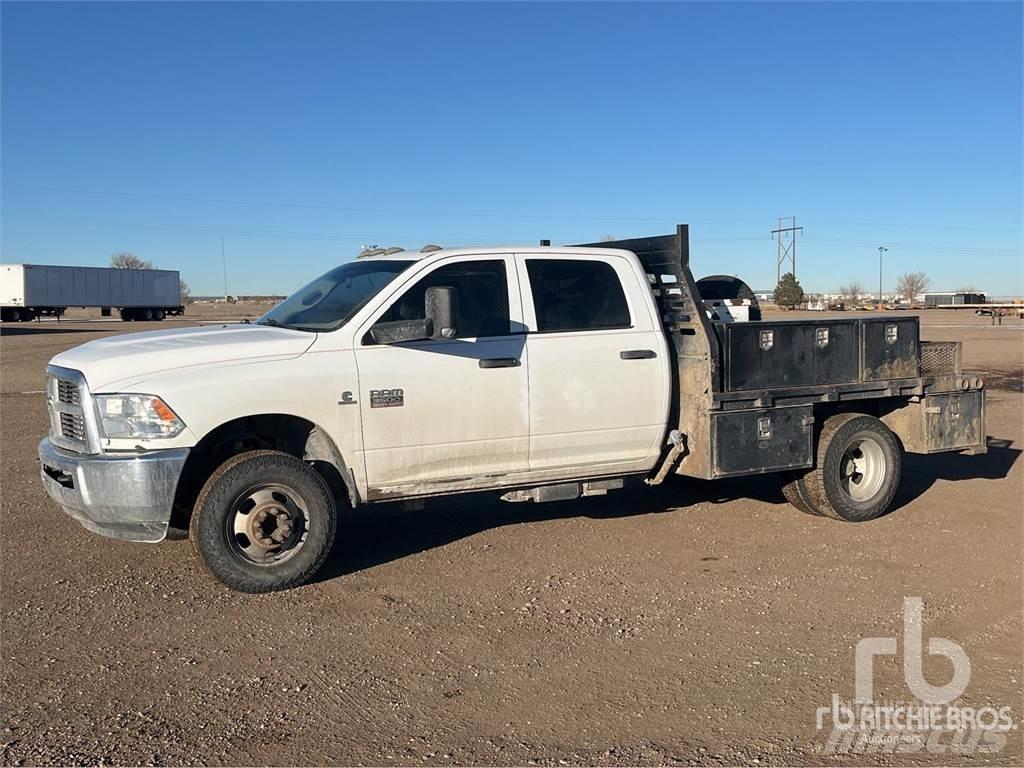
{"points": [[701, 623]]}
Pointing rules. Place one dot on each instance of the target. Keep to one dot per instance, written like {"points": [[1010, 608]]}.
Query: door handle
{"points": [[638, 354], [500, 362]]}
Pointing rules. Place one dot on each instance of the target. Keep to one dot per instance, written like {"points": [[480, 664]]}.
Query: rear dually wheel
{"points": [[857, 471]]}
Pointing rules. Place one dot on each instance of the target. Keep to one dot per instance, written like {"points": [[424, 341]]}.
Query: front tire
{"points": [[264, 521], [857, 471]]}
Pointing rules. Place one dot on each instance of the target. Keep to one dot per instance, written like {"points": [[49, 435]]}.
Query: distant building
{"points": [[940, 298]]}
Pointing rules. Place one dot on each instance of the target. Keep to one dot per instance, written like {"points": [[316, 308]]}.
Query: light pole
{"points": [[224, 261], [881, 249]]}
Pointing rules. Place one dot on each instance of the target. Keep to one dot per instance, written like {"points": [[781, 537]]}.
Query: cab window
{"points": [[576, 295], [481, 290]]}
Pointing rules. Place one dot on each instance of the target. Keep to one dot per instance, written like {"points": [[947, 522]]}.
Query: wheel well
{"points": [[876, 407], [272, 431]]}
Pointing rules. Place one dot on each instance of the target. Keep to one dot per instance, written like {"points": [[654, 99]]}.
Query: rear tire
{"points": [[147, 314], [857, 471], [264, 521], [158, 314], [795, 496]]}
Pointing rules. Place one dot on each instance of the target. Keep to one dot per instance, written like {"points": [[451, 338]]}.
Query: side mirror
{"points": [[402, 330], [441, 307]]}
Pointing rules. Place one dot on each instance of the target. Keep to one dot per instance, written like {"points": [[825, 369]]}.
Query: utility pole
{"points": [[224, 261], [787, 250], [881, 249]]}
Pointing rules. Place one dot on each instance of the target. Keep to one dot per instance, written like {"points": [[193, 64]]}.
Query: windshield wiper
{"points": [[277, 324]]}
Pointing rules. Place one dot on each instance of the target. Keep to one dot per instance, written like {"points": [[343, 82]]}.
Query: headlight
{"points": [[143, 416]]}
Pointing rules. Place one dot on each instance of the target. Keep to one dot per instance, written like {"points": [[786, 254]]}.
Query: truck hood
{"points": [[119, 360]]}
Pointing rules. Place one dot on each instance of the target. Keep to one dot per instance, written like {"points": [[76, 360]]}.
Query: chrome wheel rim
{"points": [[267, 524], [862, 469]]}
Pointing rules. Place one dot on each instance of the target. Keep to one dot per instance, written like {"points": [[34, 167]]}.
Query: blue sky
{"points": [[300, 131]]}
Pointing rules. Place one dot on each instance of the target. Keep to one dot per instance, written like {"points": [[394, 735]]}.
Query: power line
{"points": [[468, 214], [294, 235], [320, 207], [922, 247]]}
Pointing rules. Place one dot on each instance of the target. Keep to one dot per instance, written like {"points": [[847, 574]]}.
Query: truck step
{"points": [[564, 491]]}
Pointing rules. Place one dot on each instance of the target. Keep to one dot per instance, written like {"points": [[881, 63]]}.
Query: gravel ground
{"points": [[701, 623]]}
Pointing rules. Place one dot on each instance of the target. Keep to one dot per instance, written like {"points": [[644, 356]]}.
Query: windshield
{"points": [[332, 299]]}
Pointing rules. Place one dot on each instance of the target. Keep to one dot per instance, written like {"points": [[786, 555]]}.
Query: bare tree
{"points": [[912, 284], [186, 292], [852, 290], [125, 260]]}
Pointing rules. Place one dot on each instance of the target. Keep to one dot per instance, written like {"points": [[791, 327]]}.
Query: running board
{"points": [[564, 491]]}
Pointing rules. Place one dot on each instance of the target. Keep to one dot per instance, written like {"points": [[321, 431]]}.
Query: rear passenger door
{"points": [[598, 374]]}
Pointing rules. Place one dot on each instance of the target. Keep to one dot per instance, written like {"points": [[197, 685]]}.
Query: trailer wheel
{"points": [[158, 314], [857, 470], [264, 521], [127, 315], [147, 314], [14, 315]]}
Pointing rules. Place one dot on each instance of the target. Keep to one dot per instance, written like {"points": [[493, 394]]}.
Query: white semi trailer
{"points": [[30, 290]]}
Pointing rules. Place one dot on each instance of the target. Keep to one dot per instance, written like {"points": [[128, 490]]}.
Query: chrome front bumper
{"points": [[122, 496]]}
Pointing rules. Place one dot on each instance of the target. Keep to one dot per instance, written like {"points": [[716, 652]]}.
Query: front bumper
{"points": [[122, 496]]}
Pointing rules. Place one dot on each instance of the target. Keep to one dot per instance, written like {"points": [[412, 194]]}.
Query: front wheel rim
{"points": [[862, 469], [267, 524]]}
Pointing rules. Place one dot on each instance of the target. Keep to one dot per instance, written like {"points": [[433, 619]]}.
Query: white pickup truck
{"points": [[540, 373]]}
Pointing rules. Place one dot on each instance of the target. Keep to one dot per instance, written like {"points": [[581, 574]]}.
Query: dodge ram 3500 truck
{"points": [[540, 373]]}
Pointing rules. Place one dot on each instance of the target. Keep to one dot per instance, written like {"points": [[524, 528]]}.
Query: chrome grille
{"points": [[72, 427], [72, 411], [67, 392]]}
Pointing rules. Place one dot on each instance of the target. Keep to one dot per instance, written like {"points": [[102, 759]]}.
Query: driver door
{"points": [[454, 410]]}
